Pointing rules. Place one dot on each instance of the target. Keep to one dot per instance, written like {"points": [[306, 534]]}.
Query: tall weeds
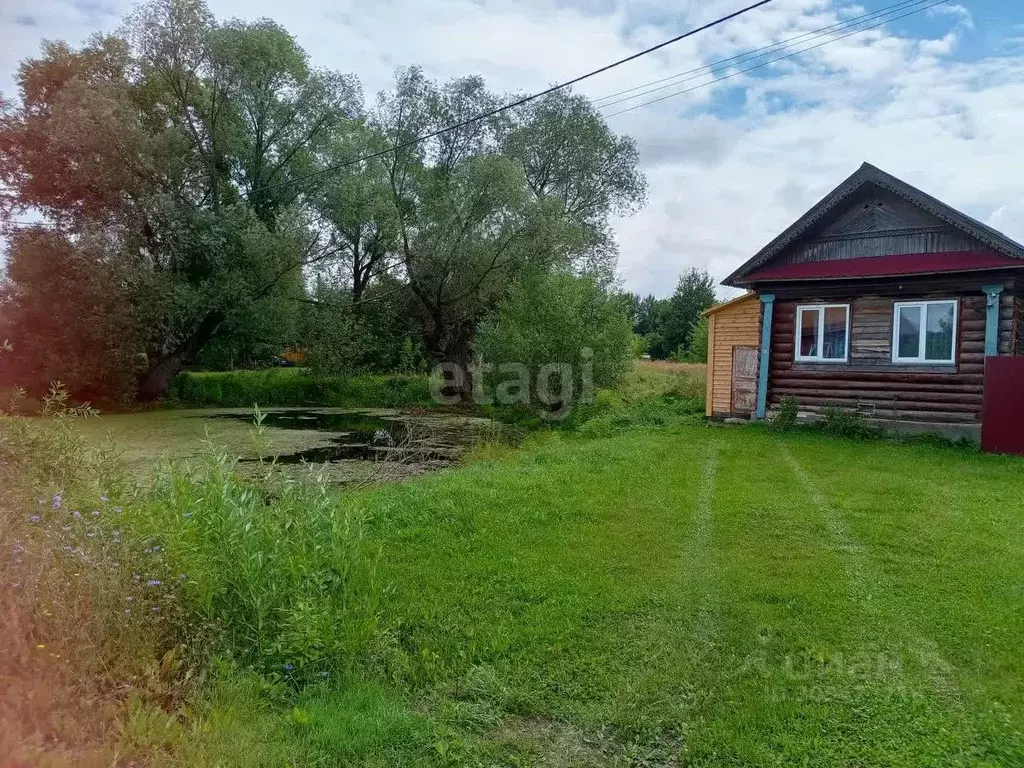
{"points": [[112, 593]]}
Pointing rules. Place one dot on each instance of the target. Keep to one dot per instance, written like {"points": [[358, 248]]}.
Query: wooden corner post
{"points": [[768, 303]]}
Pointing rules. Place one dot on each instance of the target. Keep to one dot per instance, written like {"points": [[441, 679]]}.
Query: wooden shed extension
{"points": [[733, 332]]}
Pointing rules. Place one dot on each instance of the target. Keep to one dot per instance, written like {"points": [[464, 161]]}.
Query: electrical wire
{"points": [[514, 104], [771, 61], [707, 69]]}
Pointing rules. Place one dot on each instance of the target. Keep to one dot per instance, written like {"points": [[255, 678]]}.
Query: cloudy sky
{"points": [[936, 98]]}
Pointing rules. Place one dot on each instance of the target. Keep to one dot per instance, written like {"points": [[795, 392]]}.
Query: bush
{"points": [[786, 414], [557, 321], [843, 422], [278, 387]]}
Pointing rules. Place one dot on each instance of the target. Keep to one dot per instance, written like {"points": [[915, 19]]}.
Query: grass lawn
{"points": [[687, 596]]}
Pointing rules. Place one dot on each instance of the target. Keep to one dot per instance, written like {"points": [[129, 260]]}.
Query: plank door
{"points": [[744, 379]]}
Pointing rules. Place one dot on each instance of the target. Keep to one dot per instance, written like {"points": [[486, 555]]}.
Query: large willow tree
{"points": [[189, 144], [200, 173]]}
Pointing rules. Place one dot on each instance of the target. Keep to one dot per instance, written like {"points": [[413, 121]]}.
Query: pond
{"points": [[374, 435], [342, 445]]}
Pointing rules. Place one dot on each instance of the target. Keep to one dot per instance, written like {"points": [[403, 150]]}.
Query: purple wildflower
{"points": [[104, 498], [153, 583], [95, 513], [117, 510], [155, 609], [288, 667], [57, 500], [35, 519], [77, 515]]}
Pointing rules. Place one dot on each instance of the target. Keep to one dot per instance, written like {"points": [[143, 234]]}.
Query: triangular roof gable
{"points": [[869, 174]]}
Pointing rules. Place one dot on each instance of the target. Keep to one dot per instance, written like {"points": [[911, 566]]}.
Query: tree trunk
{"points": [[157, 379], [452, 351]]}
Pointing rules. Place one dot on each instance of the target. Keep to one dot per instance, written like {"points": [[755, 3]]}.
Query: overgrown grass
{"points": [[646, 590], [278, 387], [685, 595], [114, 596]]}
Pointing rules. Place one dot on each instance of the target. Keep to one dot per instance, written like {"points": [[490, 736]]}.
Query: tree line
{"points": [[674, 328], [209, 196]]}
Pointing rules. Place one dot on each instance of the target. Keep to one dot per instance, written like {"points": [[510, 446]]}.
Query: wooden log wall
{"points": [[871, 383]]}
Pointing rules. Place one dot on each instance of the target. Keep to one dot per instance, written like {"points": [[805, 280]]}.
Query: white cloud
{"points": [[721, 185]]}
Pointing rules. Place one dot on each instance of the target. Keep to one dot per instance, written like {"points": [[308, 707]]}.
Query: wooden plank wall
{"points": [[735, 326], [870, 382]]}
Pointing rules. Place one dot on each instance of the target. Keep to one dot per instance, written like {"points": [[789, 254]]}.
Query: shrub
{"points": [[550, 321], [786, 414], [277, 387], [843, 422]]}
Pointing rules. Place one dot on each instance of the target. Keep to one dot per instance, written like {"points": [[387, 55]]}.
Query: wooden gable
{"points": [[876, 222], [875, 214]]}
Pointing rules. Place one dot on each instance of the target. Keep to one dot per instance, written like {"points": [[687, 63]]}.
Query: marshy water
{"points": [[376, 436], [342, 445]]}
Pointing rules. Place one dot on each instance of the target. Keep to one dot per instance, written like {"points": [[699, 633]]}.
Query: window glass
{"points": [[809, 332], [835, 333], [908, 342], [938, 342]]}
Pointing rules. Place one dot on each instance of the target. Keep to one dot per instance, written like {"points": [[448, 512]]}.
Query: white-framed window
{"points": [[924, 331], [823, 333]]}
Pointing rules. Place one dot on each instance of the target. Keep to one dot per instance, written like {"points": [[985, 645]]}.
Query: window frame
{"points": [[819, 358], [923, 332]]}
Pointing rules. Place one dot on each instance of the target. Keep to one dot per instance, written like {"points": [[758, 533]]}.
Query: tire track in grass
{"points": [[700, 571], [868, 589]]}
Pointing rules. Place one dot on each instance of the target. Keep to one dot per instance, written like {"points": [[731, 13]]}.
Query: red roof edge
{"points": [[886, 266]]}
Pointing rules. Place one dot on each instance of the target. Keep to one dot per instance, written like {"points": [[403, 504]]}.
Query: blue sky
{"points": [[937, 98]]}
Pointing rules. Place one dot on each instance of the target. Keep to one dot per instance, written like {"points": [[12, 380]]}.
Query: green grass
{"points": [[684, 596], [292, 386]]}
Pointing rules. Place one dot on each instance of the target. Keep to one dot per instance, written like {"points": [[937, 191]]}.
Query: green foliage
{"points": [[290, 386], [785, 416], [698, 350], [637, 347], [70, 313], [282, 581], [373, 334], [844, 422], [160, 158], [564, 331], [669, 325]]}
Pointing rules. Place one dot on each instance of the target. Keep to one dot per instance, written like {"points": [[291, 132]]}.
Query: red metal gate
{"points": [[1002, 420]]}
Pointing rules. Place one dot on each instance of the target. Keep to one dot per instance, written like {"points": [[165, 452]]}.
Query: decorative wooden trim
{"points": [[869, 174]]}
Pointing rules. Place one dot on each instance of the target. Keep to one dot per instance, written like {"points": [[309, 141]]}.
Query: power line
{"points": [[681, 77], [517, 103], [770, 61]]}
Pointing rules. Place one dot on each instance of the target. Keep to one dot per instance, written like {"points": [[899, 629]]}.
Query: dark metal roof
{"points": [[869, 174]]}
